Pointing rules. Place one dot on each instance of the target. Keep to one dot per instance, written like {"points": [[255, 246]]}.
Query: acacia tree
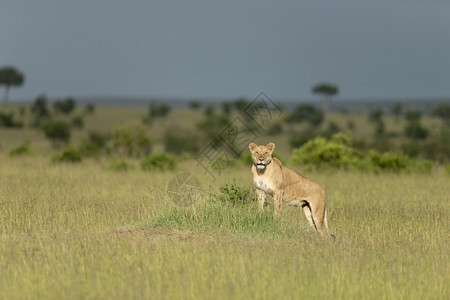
{"points": [[327, 90], [10, 77]]}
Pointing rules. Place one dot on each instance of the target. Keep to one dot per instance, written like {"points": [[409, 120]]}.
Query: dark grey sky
{"points": [[226, 49]]}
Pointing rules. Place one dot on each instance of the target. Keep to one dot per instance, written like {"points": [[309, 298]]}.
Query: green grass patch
{"points": [[215, 218]]}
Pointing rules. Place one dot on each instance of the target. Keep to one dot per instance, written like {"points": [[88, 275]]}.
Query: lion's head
{"points": [[262, 154]]}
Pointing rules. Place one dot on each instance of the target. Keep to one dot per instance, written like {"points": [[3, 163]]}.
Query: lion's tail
{"points": [[325, 219]]}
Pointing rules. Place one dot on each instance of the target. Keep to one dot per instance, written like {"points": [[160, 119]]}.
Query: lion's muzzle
{"points": [[261, 166]]}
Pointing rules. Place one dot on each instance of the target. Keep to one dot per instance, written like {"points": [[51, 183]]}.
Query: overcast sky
{"points": [[226, 49]]}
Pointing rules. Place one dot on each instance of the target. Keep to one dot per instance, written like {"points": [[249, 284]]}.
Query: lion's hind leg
{"points": [[315, 214], [308, 214], [318, 215]]}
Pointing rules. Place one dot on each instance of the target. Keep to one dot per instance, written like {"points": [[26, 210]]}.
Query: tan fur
{"points": [[285, 185]]}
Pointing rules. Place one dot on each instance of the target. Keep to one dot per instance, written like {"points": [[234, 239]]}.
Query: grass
{"points": [[84, 231], [88, 231]]}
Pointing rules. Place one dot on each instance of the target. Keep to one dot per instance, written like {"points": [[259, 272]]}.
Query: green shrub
{"points": [[415, 130], [212, 127], [299, 139], [436, 148], [158, 110], [120, 165], [7, 120], [181, 141], [65, 106], [56, 130], [78, 122], [227, 108], [89, 108], [209, 111], [338, 153], [275, 129], [306, 113], [194, 104], [95, 143], [420, 166], [388, 160], [39, 108], [70, 154], [159, 162], [442, 111], [235, 195], [131, 141], [332, 129], [20, 151], [322, 153], [413, 115]]}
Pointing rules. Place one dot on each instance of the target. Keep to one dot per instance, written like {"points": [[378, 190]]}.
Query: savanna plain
{"points": [[83, 230]]}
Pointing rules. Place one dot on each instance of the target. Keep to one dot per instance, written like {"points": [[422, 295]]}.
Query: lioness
{"points": [[285, 185]]}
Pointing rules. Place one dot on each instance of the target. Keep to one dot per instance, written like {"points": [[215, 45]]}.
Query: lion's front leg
{"points": [[278, 199], [261, 198]]}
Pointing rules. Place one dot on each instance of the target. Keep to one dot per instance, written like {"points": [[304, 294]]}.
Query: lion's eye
{"points": [[266, 153]]}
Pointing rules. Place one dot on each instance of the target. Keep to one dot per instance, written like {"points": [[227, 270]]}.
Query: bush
{"points": [[57, 131], [194, 104], [338, 153], [120, 165], [275, 129], [209, 111], [70, 154], [415, 130], [331, 129], [420, 166], [436, 148], [212, 127], [442, 111], [306, 113], [7, 120], [39, 108], [89, 108], [161, 110], [236, 195], [227, 107], [299, 139], [20, 151], [413, 115], [320, 152], [388, 160], [376, 115], [95, 143], [181, 141], [158, 162], [64, 106], [131, 141], [78, 122], [240, 104]]}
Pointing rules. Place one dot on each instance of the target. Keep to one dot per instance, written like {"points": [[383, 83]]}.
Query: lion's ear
{"points": [[271, 146], [252, 146]]}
